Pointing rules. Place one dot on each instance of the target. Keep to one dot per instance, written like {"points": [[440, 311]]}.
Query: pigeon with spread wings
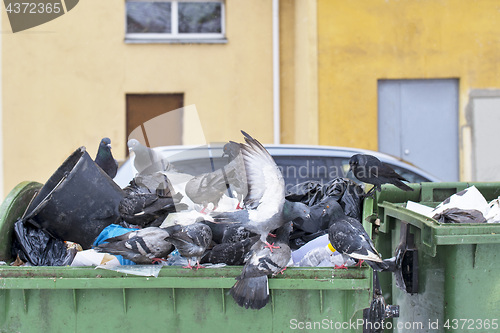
{"points": [[265, 208]]}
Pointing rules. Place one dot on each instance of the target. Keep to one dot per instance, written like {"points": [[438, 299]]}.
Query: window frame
{"points": [[175, 36]]}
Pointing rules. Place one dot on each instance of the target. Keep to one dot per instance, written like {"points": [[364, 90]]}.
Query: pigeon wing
{"points": [[264, 178]]}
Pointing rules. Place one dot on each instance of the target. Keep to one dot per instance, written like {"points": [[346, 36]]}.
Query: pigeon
{"points": [[207, 188], [231, 149], [229, 253], [105, 159], [211, 187], [251, 289], [145, 207], [191, 241], [228, 232], [369, 169], [148, 209], [144, 246], [350, 239], [266, 192], [319, 216], [147, 160]]}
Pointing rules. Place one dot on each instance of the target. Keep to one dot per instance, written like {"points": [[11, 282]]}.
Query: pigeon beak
{"points": [[109, 146]]}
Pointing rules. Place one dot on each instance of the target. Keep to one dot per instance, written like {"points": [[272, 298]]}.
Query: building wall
{"points": [[361, 42], [299, 71], [64, 83]]}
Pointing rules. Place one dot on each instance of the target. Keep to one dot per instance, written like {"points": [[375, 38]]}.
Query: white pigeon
{"points": [[147, 160]]}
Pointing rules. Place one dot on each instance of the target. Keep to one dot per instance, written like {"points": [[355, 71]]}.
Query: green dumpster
{"points": [[450, 275], [85, 299]]}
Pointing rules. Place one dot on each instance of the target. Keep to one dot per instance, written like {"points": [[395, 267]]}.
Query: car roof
{"points": [[183, 152]]}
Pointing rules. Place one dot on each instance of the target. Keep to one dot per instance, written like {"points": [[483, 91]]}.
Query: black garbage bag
{"points": [[306, 192], [352, 200], [321, 199], [40, 249], [457, 215]]}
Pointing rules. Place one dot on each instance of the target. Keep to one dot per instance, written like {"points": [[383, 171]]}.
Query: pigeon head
{"points": [[354, 161], [295, 210], [231, 149], [105, 142], [133, 144]]}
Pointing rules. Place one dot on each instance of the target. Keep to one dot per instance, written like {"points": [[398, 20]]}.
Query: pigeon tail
{"points": [[390, 264], [251, 292], [402, 185], [378, 266]]}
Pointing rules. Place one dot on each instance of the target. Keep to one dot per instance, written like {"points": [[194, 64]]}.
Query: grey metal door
{"points": [[418, 122]]}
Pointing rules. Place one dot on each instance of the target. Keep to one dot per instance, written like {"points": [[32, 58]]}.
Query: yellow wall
{"points": [[64, 83], [362, 41], [299, 71]]}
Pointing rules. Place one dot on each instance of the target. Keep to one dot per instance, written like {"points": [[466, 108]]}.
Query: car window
{"points": [[198, 166], [299, 169]]}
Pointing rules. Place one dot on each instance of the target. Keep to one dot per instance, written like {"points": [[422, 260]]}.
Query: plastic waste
{"points": [[457, 215], [175, 259], [114, 230], [493, 215], [317, 253], [77, 202], [40, 249]]}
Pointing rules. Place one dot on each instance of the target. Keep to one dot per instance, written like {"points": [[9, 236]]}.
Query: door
{"points": [[155, 119], [484, 111], [418, 122]]}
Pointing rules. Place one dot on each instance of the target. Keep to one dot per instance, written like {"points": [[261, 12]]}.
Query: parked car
{"points": [[298, 163]]}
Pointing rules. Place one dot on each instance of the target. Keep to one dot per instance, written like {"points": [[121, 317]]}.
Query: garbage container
{"points": [[450, 274], [85, 299]]}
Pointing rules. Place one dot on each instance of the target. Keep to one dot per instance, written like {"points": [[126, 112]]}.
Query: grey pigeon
{"points": [[148, 209], [104, 158], [231, 149], [147, 160], [211, 187], [191, 241], [145, 207], [207, 188], [350, 239], [229, 253], [144, 246], [371, 170], [251, 289], [228, 232], [266, 192]]}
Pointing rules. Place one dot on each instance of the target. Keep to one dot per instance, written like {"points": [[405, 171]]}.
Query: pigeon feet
{"points": [[157, 260], [359, 263], [272, 235], [197, 266], [271, 246], [340, 267], [281, 272]]}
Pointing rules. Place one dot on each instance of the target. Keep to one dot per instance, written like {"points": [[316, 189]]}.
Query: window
{"points": [[175, 21]]}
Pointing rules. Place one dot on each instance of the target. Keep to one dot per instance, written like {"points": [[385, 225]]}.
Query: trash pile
{"points": [[467, 206], [236, 215]]}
